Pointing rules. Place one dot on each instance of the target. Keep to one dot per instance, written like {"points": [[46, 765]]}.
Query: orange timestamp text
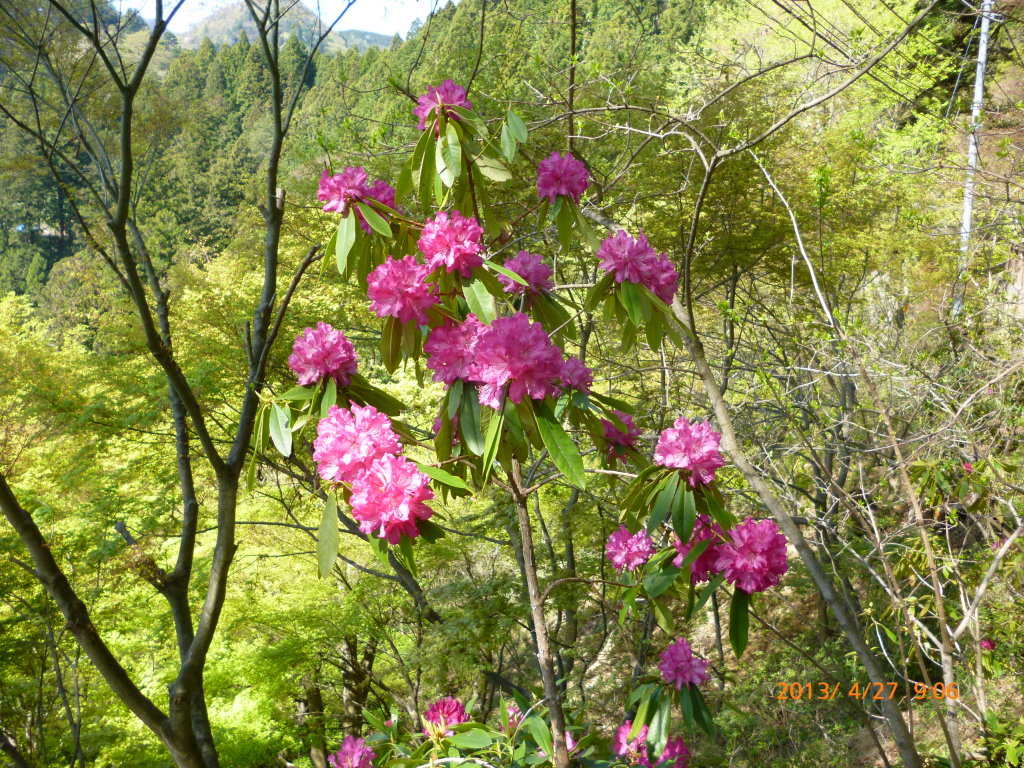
{"points": [[874, 691]]}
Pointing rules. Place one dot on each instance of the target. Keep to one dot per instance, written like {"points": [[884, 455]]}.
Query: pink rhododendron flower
{"points": [[321, 352], [634, 751], [452, 349], [348, 442], [629, 550], [634, 260], [562, 175], [680, 667], [354, 753], [706, 565], [448, 93], [617, 439], [532, 269], [988, 645], [342, 190], [996, 545], [452, 243], [576, 375], [390, 497], [518, 353], [515, 718], [447, 711], [383, 193], [675, 753], [693, 447], [755, 559], [399, 288], [967, 467]]}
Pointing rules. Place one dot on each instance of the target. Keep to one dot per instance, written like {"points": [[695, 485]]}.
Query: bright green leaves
{"points": [[346, 238], [561, 448], [480, 300], [469, 420], [281, 429], [328, 537], [375, 220]]}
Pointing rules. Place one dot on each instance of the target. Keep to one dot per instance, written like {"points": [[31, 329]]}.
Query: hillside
{"points": [[224, 25]]}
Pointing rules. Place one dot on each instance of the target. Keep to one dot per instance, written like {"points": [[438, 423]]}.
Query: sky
{"points": [[384, 16]]}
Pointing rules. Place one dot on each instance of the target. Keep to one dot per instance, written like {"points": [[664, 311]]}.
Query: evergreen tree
{"points": [[205, 56]]}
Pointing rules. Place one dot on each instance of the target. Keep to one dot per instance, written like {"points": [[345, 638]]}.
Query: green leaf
{"points": [[405, 544], [380, 549], [641, 716], [541, 734], [663, 504], [427, 171], [477, 738], [346, 239], [686, 706], [492, 168], [506, 272], [469, 423], [598, 292], [739, 621], [705, 595], [630, 297], [375, 220], [657, 735], [480, 301], [405, 181], [327, 544], [280, 430], [663, 615], [471, 119], [585, 229], [442, 477], [562, 449], [454, 398], [453, 151], [563, 220], [493, 436], [330, 397], [701, 713], [656, 583], [508, 143], [299, 393], [250, 474], [685, 521], [517, 126], [391, 344], [430, 532]]}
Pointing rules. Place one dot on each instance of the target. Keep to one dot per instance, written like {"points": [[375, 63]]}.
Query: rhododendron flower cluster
{"points": [[453, 243], [532, 269], [988, 645], [562, 175], [399, 289], [680, 667], [516, 352], [628, 550], [634, 751], [636, 261], [349, 441], [675, 753], [706, 565], [383, 193], [354, 753], [616, 438], [447, 711], [452, 349], [576, 375], [323, 351], [690, 446], [390, 497], [340, 191], [447, 94], [755, 559]]}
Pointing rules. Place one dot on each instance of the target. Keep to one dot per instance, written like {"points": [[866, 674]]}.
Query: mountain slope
{"points": [[225, 24]]}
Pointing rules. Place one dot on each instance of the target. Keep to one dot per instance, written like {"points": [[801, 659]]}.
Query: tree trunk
{"points": [[317, 734], [545, 658]]}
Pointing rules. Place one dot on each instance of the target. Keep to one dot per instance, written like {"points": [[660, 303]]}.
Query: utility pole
{"points": [[972, 149]]}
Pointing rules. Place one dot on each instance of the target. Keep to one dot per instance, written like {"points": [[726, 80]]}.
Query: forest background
{"points": [[874, 178]]}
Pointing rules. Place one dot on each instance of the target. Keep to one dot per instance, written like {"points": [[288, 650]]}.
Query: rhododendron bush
{"points": [[486, 320]]}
